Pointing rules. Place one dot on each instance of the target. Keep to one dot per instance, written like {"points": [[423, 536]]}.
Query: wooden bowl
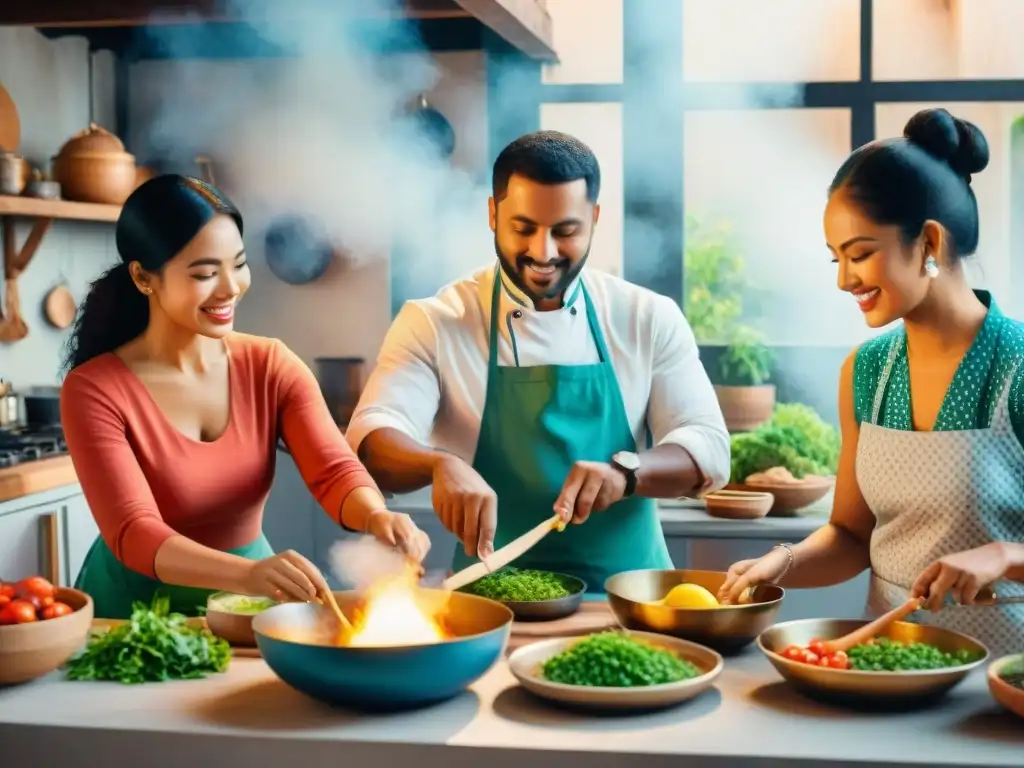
{"points": [[233, 626], [1011, 697], [28, 651], [739, 505], [789, 497]]}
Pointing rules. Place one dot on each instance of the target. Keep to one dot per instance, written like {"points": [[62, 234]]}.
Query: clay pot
{"points": [[93, 167], [746, 408]]}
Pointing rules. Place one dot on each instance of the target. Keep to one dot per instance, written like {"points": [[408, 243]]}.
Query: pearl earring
{"points": [[931, 267]]}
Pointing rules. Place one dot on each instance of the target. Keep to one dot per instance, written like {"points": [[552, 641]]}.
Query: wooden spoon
{"points": [[869, 630], [328, 598]]}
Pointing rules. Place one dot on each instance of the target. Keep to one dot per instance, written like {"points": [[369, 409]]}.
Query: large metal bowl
{"points": [[633, 597], [896, 690], [293, 641]]}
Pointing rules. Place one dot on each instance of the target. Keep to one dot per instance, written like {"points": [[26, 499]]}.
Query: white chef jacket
{"points": [[430, 380]]}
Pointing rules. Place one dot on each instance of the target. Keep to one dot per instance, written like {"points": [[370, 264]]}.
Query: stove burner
{"points": [[21, 446]]}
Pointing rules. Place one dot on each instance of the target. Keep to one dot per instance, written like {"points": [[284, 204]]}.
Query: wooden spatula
{"points": [[869, 630]]}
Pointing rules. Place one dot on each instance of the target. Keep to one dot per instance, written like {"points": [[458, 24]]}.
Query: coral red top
{"points": [[145, 481]]}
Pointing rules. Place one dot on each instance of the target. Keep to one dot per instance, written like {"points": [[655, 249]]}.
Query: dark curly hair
{"points": [[158, 220]]}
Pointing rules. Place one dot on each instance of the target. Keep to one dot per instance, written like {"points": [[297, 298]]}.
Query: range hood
{"points": [[525, 24]]}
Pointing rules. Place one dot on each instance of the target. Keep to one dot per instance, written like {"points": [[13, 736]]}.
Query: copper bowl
{"points": [[31, 650], [1009, 696], [634, 595], [891, 690], [790, 498]]}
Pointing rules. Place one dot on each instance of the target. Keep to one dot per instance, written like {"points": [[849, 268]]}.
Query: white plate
{"points": [[525, 664]]}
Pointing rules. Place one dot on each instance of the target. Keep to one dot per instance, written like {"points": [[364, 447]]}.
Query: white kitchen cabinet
{"points": [[79, 531], [26, 537]]}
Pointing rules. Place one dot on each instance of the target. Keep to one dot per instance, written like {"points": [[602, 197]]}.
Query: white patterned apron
{"points": [[937, 493]]}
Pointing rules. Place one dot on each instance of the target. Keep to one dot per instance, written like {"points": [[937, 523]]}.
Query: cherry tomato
{"points": [[7, 590], [810, 657], [817, 647], [56, 610], [839, 662], [794, 653], [824, 661], [4, 600], [34, 586], [18, 612]]}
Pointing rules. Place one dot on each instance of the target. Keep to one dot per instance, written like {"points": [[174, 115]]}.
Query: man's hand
{"points": [[467, 505], [592, 486]]}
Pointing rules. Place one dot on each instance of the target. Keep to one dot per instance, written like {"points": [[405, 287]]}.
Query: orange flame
{"points": [[395, 611]]}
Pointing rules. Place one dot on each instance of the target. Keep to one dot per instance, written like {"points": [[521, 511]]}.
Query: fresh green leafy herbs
{"points": [[153, 645], [239, 604], [885, 655], [795, 437], [515, 585], [614, 659]]}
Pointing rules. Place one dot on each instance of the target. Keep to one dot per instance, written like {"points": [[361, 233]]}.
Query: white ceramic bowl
{"points": [[525, 664]]}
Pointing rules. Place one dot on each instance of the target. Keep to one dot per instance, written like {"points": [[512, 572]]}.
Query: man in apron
{"points": [[527, 388]]}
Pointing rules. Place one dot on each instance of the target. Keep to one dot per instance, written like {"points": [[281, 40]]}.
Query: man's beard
{"points": [[513, 268]]}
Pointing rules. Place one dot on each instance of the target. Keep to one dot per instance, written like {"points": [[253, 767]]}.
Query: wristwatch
{"points": [[627, 463]]}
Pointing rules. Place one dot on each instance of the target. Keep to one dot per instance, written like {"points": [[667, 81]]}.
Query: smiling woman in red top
{"points": [[172, 419]]}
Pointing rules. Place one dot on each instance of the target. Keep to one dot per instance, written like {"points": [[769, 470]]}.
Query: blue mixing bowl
{"points": [[294, 639]]}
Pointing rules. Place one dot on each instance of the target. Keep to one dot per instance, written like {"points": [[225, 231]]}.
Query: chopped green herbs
{"points": [[885, 655], [613, 659], [240, 604], [1013, 673], [153, 645], [523, 586]]}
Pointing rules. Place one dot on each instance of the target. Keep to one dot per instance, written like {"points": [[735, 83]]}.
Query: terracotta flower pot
{"points": [[746, 408]]}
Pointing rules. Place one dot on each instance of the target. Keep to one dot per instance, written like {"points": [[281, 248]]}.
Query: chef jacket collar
{"points": [[572, 291]]}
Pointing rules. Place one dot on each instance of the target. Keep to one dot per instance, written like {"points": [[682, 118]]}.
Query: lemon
{"points": [[690, 596]]}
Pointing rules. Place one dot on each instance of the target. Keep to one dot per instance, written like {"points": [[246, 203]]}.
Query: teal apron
{"points": [[537, 422], [114, 587]]}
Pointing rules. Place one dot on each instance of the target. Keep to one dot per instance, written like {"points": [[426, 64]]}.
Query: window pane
{"points": [[599, 126], [764, 174], [950, 40], [998, 263], [588, 38], [777, 41]]}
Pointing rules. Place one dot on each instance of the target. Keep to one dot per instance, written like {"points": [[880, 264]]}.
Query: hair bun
{"points": [[959, 142]]}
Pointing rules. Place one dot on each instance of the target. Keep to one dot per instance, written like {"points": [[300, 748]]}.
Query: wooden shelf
{"points": [[38, 208], [42, 213]]}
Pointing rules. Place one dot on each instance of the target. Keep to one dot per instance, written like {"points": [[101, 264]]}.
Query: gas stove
{"points": [[28, 444]]}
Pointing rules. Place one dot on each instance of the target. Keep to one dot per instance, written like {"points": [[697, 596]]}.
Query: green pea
{"points": [[613, 659], [515, 585]]}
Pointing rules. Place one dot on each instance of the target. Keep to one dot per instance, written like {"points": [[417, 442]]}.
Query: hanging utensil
{"points": [[297, 251], [59, 307], [435, 127], [507, 554], [10, 124]]}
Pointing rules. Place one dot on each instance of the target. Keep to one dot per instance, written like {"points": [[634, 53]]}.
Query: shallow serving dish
{"points": [[878, 689], [294, 639], [546, 610], [738, 505], [1011, 697], [525, 664], [634, 595], [31, 650]]}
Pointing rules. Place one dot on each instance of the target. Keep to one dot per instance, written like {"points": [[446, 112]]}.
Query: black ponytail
{"points": [[158, 220], [114, 313]]}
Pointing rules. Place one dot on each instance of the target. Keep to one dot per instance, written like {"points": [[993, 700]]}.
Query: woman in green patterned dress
{"points": [[930, 489]]}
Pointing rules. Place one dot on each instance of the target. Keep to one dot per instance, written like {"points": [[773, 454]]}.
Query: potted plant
{"points": [[745, 394]]}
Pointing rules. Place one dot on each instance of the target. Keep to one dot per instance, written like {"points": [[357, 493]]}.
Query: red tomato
{"points": [[34, 586], [824, 661], [839, 662], [810, 657], [7, 590], [56, 610], [794, 653], [817, 647], [4, 600], [18, 612]]}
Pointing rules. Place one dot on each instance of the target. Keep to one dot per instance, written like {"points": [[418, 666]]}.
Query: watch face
{"points": [[627, 460]]}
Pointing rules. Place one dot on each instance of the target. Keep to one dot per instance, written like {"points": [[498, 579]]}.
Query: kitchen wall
{"points": [[49, 83]]}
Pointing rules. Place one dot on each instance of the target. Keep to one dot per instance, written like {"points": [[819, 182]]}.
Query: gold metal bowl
{"points": [[877, 689], [634, 595]]}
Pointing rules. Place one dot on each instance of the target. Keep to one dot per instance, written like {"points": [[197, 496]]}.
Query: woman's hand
{"points": [[766, 569], [962, 575], [285, 576], [398, 531]]}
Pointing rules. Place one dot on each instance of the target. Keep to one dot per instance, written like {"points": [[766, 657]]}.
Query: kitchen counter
{"points": [[248, 717], [36, 477], [684, 518]]}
